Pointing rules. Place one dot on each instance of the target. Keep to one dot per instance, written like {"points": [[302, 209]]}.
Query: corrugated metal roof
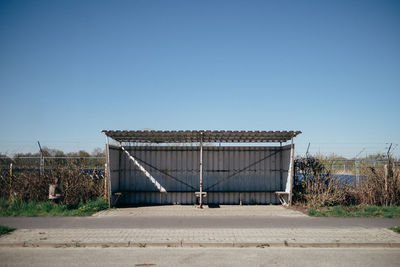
{"points": [[195, 136]]}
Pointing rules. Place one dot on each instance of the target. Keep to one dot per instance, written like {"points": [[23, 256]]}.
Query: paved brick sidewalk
{"points": [[203, 237], [263, 235], [190, 211]]}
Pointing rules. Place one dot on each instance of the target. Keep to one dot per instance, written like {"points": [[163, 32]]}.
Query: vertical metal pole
{"points": [[292, 172], [119, 166], [105, 181], [41, 164], [201, 170], [108, 172], [281, 166], [41, 168], [386, 170], [11, 173], [357, 172], [388, 175]]}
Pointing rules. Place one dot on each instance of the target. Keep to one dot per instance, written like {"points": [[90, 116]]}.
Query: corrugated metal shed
{"points": [[142, 173], [197, 136], [231, 174]]}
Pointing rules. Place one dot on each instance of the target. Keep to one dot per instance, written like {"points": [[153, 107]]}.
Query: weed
{"points": [[5, 230], [286, 243], [356, 211], [395, 228], [33, 208], [142, 245]]}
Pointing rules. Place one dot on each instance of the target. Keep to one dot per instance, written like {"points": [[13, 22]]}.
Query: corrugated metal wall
{"points": [[114, 168], [231, 175]]}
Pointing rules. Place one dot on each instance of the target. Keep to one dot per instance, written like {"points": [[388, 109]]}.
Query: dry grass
{"points": [[375, 190]]}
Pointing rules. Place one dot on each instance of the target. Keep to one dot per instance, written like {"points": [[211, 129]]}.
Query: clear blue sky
{"points": [[69, 69]]}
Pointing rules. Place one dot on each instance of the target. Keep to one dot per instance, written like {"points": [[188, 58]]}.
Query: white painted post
{"points": [[108, 174], [105, 181], [289, 186], [280, 167], [201, 170]]}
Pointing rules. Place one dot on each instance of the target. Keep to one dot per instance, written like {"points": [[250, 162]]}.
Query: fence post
{"points": [[105, 182], [357, 172], [11, 174], [386, 168]]}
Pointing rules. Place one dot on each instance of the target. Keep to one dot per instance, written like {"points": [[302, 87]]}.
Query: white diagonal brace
{"points": [[151, 178]]}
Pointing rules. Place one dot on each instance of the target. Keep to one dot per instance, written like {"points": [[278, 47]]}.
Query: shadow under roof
{"points": [[207, 136]]}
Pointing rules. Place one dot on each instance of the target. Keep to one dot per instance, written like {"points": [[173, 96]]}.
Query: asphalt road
{"points": [[194, 222], [199, 257]]}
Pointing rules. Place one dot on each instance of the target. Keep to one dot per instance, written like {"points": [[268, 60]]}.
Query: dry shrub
{"points": [[29, 185], [316, 186], [372, 188], [78, 187], [4, 183]]}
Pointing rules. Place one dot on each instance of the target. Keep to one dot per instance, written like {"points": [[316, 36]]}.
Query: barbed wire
{"points": [[345, 149], [73, 157]]}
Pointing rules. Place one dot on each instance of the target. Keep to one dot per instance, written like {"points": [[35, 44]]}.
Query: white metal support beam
{"points": [[148, 175], [286, 197], [108, 174], [201, 170], [289, 183]]}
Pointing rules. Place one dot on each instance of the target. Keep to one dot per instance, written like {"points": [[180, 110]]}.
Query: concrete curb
{"points": [[199, 245]]}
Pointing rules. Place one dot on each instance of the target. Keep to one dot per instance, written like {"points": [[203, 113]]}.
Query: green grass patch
{"points": [[5, 230], [356, 211], [33, 208], [395, 228]]}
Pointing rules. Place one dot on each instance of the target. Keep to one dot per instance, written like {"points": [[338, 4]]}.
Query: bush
{"points": [[316, 186], [26, 186], [78, 187], [374, 189]]}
